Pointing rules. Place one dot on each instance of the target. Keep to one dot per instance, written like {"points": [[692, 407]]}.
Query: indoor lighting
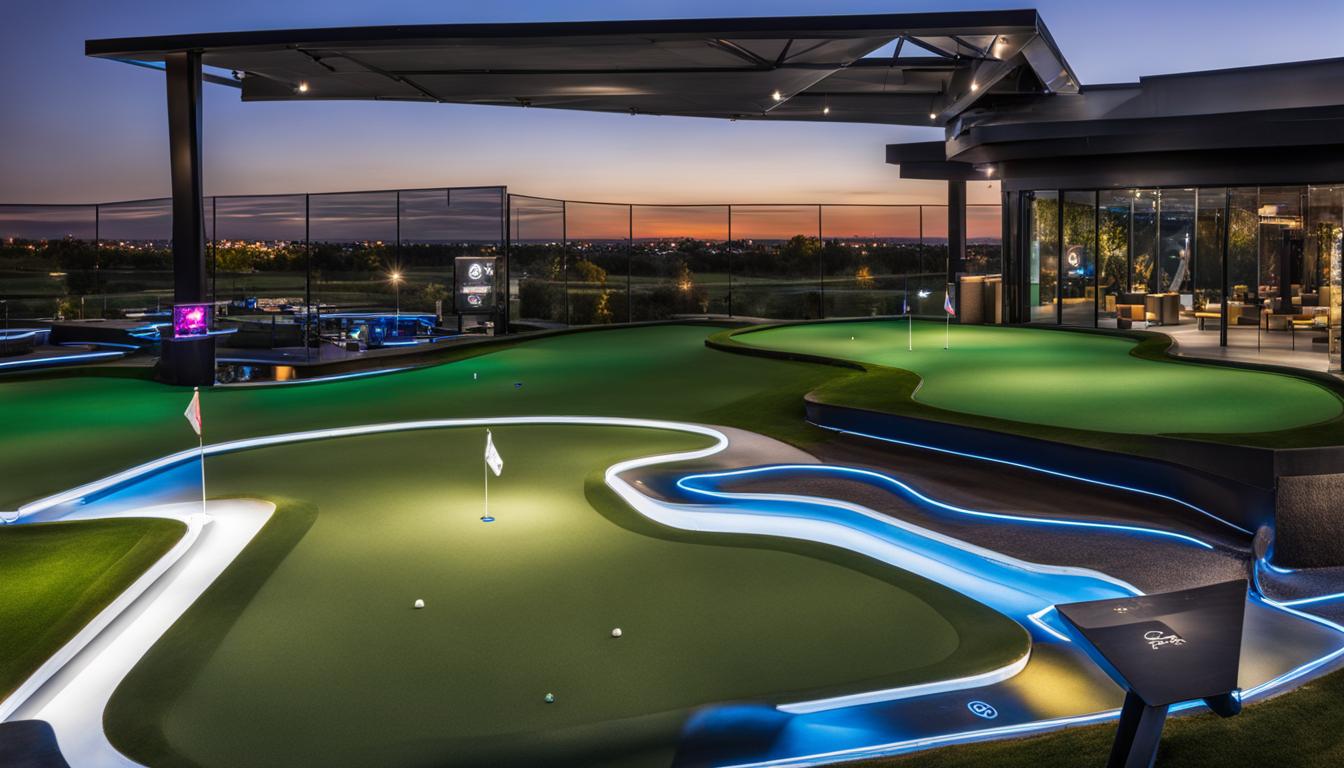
{"points": [[932, 116], [777, 96], [974, 86], [825, 110], [303, 87]]}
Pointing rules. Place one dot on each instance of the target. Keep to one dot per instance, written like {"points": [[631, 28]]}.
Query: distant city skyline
{"points": [[83, 130]]}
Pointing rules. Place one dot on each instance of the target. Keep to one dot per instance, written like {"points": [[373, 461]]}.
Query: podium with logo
{"points": [[1164, 649], [474, 290]]}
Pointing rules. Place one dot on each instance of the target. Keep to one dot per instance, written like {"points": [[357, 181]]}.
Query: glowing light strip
{"points": [[1038, 618], [59, 360], [189, 455], [16, 335], [884, 478], [909, 691], [98, 344], [1043, 470], [1310, 600], [315, 379], [195, 523]]}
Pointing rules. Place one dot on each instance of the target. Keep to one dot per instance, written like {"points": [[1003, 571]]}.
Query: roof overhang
{"points": [[784, 68]]}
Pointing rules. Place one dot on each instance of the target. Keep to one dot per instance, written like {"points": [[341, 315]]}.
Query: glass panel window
{"points": [[680, 262], [1078, 269], [537, 296], [597, 262], [1143, 241], [868, 251], [1176, 246], [1243, 257], [48, 260], [1282, 247], [1043, 253], [1325, 238], [776, 261], [1115, 208], [1208, 264]]}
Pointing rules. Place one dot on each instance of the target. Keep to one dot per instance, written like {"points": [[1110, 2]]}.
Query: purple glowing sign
{"points": [[191, 320]]}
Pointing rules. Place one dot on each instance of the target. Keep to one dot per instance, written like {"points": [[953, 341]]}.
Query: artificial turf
{"points": [[58, 576], [1071, 380], [651, 372], [326, 662]]}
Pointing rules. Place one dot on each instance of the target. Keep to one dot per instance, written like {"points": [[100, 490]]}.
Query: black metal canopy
{"points": [[786, 68]]}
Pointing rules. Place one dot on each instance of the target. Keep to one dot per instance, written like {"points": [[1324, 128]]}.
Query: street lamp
{"points": [[395, 277]]}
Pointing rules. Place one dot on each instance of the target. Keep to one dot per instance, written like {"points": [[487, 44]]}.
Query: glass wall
{"points": [[1261, 257], [776, 253], [680, 263], [280, 266], [597, 262], [134, 274], [867, 253], [537, 292], [48, 261]]}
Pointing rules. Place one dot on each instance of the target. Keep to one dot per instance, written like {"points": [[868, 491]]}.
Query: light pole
{"points": [[395, 277]]}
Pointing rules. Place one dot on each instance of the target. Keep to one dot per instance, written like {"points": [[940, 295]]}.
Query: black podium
{"points": [[1163, 649], [188, 361]]}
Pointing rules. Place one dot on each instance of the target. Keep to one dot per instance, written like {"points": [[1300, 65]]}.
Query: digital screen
{"points": [[475, 284], [191, 320]]}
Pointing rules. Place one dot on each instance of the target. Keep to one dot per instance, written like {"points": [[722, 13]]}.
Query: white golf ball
{"points": [[419, 603], [550, 698], [616, 632]]}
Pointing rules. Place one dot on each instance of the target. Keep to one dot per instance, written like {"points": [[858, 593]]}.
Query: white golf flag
{"points": [[193, 412], [492, 457]]}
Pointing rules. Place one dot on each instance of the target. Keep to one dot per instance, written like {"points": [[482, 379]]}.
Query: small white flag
{"points": [[492, 457], [193, 412]]}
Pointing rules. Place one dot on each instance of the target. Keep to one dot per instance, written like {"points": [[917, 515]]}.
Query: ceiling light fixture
{"points": [[303, 87], [777, 96]]}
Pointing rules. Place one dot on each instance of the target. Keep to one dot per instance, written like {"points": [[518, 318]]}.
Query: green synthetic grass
{"points": [[1070, 380], [320, 659], [1302, 730], [55, 577], [98, 425]]}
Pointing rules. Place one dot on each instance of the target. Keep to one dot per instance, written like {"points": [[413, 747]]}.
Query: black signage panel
{"points": [[475, 285], [1169, 647]]}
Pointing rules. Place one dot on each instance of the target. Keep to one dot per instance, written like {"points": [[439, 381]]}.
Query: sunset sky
{"points": [[78, 129]]}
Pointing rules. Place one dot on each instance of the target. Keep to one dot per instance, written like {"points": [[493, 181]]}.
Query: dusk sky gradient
{"points": [[76, 129]]}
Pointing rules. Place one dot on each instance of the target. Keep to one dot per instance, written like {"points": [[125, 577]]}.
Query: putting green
{"points": [[58, 576], [651, 372], [328, 664], [1057, 378]]}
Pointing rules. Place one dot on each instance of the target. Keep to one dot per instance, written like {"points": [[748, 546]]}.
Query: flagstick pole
{"points": [[200, 445], [947, 332], [485, 472]]}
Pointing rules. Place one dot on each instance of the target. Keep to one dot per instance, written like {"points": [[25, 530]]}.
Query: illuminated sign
{"points": [[475, 284], [981, 709], [191, 320]]}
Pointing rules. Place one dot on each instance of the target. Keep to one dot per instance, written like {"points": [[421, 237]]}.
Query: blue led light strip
{"points": [[60, 360], [1043, 470], [686, 484]]}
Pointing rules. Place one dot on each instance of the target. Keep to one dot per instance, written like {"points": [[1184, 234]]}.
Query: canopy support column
{"points": [[184, 146]]}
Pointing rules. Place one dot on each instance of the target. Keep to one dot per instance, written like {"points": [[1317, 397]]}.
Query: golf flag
{"points": [[193, 412], [905, 305], [947, 304], [492, 457]]}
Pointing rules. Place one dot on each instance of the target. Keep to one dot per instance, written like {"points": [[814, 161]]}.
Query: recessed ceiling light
{"points": [[777, 96], [932, 116], [974, 87], [303, 87], [825, 110]]}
